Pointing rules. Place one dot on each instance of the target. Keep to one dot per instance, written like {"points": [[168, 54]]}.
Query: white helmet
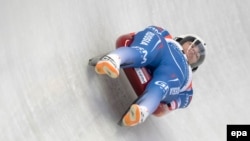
{"points": [[199, 43]]}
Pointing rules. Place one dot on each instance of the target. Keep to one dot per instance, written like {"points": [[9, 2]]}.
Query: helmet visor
{"points": [[198, 47]]}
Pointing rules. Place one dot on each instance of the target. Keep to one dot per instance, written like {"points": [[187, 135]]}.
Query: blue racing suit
{"points": [[165, 59]]}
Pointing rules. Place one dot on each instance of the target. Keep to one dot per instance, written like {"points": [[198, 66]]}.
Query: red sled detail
{"points": [[138, 77]]}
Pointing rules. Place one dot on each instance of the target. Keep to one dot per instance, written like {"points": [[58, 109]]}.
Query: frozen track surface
{"points": [[49, 93]]}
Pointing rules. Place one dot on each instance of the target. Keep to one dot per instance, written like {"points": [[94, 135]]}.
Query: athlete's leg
{"points": [[143, 51], [153, 94], [148, 102]]}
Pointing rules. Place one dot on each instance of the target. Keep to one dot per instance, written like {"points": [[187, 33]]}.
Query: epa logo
{"points": [[238, 132]]}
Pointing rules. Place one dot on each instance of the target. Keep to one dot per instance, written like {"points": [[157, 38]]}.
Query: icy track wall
{"points": [[49, 93]]}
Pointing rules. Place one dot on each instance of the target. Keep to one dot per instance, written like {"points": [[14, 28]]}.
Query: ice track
{"points": [[49, 93]]}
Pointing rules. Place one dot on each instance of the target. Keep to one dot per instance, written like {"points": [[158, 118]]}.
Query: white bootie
{"points": [[136, 115], [110, 65]]}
